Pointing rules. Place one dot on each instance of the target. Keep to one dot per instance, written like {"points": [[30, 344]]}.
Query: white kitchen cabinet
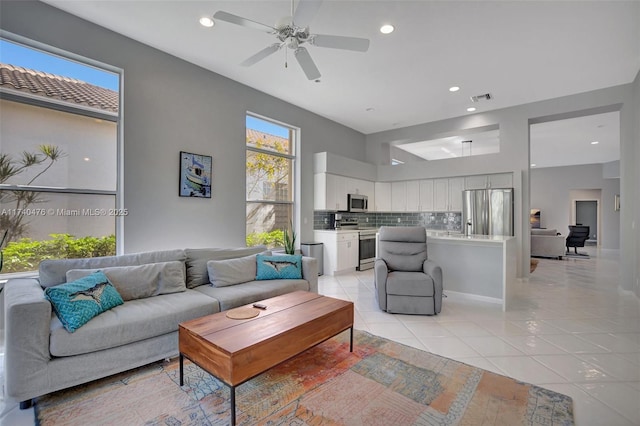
{"points": [[441, 195], [359, 186], [456, 186], [405, 196], [426, 195], [382, 197], [398, 196], [447, 194], [500, 180], [497, 180], [340, 250], [475, 182], [330, 192], [413, 196]]}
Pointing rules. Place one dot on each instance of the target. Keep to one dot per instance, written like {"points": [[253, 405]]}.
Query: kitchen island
{"points": [[480, 267]]}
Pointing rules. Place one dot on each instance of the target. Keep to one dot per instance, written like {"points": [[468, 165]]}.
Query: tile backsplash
{"points": [[442, 221]]}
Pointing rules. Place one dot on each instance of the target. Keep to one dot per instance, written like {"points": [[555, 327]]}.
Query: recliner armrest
{"points": [[432, 269], [380, 273]]}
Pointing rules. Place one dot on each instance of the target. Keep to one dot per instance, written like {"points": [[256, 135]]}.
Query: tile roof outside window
{"points": [[65, 89]]}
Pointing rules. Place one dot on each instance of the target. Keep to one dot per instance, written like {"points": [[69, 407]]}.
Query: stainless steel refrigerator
{"points": [[487, 211]]}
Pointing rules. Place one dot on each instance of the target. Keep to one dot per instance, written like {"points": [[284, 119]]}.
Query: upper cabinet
{"points": [[456, 186], [331, 191], [382, 197], [399, 196], [498, 180], [425, 189], [447, 194]]}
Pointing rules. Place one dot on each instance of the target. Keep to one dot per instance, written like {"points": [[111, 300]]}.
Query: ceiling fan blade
{"points": [[306, 63], [269, 50], [244, 22], [340, 42], [305, 12]]}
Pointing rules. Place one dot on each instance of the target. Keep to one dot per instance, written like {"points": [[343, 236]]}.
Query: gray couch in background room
{"points": [[160, 289], [547, 243]]}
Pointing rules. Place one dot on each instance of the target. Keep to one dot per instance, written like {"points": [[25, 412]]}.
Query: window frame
{"points": [[55, 104], [294, 140]]}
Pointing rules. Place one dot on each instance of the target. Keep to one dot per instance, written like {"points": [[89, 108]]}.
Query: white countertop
{"points": [[336, 231], [432, 234], [443, 235]]}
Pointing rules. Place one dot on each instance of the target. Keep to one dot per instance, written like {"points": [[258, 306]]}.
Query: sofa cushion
{"points": [[279, 267], [232, 271], [134, 321], [538, 231], [77, 302], [237, 295], [138, 282], [53, 272], [197, 259]]}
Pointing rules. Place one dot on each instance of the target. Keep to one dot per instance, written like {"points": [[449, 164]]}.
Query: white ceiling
{"points": [[519, 51]]}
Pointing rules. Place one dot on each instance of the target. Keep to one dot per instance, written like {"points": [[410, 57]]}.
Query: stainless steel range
{"points": [[366, 244]]}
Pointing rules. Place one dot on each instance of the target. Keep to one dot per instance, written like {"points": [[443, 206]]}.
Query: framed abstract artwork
{"points": [[195, 175]]}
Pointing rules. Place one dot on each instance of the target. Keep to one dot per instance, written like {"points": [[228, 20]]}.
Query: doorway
{"points": [[585, 210], [586, 213]]}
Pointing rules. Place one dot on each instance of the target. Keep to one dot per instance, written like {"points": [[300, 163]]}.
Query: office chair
{"points": [[578, 234]]}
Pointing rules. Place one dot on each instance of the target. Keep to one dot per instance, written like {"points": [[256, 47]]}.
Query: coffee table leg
{"points": [[181, 369], [232, 392], [351, 340]]}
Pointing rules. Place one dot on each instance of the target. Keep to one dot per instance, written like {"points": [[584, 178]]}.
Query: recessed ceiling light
{"points": [[595, 143], [454, 88], [533, 164], [387, 29], [471, 109], [87, 159], [205, 21]]}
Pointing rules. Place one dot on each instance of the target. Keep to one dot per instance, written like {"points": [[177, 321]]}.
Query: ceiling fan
{"points": [[293, 32]]}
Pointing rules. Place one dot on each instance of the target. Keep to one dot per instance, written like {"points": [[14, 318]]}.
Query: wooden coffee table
{"points": [[235, 351]]}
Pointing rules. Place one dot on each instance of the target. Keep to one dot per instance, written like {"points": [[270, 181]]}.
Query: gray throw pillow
{"points": [[223, 273], [140, 281], [197, 259]]}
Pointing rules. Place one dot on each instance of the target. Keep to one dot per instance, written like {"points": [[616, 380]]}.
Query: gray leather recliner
{"points": [[406, 281]]}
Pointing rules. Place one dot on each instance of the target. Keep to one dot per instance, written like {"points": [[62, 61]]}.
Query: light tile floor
{"points": [[571, 331]]}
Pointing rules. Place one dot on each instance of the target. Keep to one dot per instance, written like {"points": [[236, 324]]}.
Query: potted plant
{"points": [[290, 240]]}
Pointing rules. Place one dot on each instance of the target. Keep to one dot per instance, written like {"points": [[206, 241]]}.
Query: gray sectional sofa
{"points": [[547, 243], [42, 357]]}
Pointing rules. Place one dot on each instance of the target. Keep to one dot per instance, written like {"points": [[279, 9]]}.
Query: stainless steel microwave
{"points": [[357, 203]]}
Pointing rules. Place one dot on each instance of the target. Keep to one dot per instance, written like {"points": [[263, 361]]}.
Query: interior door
{"points": [[587, 214]]}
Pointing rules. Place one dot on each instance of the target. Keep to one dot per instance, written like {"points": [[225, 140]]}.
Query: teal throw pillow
{"points": [[76, 302], [288, 266]]}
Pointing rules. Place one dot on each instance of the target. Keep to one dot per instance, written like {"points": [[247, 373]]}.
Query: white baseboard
{"points": [[468, 296]]}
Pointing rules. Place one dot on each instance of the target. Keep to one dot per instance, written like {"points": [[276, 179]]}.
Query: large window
{"points": [[59, 145], [270, 177]]}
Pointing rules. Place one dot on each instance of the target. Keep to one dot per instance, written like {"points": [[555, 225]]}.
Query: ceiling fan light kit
{"points": [[293, 33]]}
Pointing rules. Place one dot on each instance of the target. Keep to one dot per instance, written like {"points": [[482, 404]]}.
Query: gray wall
{"points": [[551, 192], [514, 156], [172, 105], [631, 187]]}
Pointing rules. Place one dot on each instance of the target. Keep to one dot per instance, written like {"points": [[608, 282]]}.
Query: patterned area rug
{"points": [[380, 383]]}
